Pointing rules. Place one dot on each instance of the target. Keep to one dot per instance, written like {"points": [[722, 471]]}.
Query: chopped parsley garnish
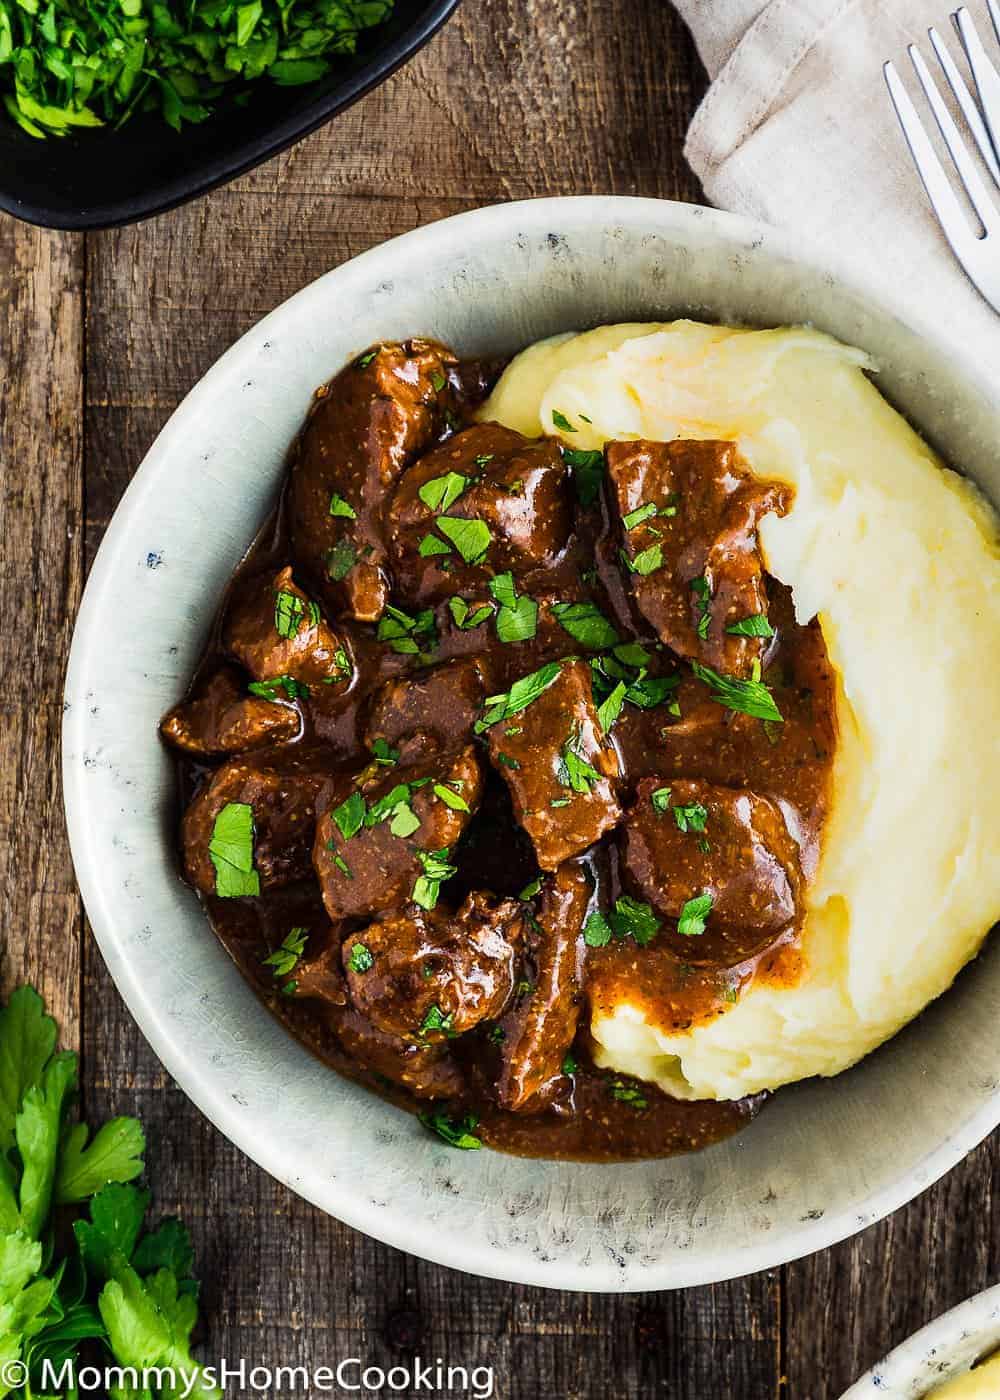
{"points": [[517, 616], [636, 517], [531, 890], [505, 760], [756, 625], [570, 1064], [690, 816], [456, 1134], [596, 930], [660, 799], [342, 865], [350, 815], [361, 959], [268, 690], [405, 634], [342, 667], [471, 538], [438, 381], [441, 492], [404, 820], [609, 710], [436, 870], [383, 807], [290, 611], [382, 753], [647, 561], [465, 617], [431, 545], [340, 560], [496, 1035], [633, 654], [588, 473], [484, 459], [521, 694], [450, 797], [694, 914], [586, 624], [702, 590], [340, 507], [562, 422], [436, 1020], [629, 918], [231, 851], [573, 770], [363, 361], [748, 697], [645, 692], [285, 957], [628, 1093], [560, 802]]}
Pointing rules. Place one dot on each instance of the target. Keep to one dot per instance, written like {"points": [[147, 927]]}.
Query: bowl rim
{"points": [[924, 1359], [223, 168], [186, 1063]]}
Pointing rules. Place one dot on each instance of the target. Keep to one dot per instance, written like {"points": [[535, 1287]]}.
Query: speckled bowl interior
{"points": [[827, 1157]]}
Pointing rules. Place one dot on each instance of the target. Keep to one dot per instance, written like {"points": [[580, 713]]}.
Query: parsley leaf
{"points": [[636, 517], [570, 1064], [630, 918], [588, 473], [350, 815], [465, 617], [404, 820], [586, 624], [756, 625], [231, 851], [611, 708], [405, 634], [660, 799], [628, 1093], [596, 930], [340, 560], [517, 617], [749, 697], [441, 492], [521, 694], [450, 797], [361, 958], [691, 923], [436, 1020], [690, 816], [113, 1154], [431, 545], [339, 507], [285, 957], [436, 870], [702, 590], [647, 561], [289, 613], [573, 770], [382, 753], [456, 1134], [562, 422], [268, 690], [471, 538]]}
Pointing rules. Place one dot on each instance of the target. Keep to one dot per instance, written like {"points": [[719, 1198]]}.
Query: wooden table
{"points": [[100, 337]]}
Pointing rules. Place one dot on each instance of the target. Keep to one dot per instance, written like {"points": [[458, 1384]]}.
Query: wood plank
{"points": [[847, 1306], [41, 510]]}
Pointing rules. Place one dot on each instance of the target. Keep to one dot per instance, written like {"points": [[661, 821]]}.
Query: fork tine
{"points": [[968, 172], [939, 191], [966, 102], [984, 74]]}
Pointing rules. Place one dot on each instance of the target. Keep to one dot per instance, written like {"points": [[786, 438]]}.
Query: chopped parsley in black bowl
{"points": [[174, 145]]}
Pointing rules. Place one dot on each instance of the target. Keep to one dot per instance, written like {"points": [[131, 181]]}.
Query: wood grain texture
{"points": [[102, 337]]}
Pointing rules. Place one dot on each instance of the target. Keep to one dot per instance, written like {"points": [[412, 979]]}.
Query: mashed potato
{"points": [[898, 558], [981, 1384]]}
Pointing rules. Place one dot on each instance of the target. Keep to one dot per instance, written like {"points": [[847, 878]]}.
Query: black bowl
{"points": [[101, 178]]}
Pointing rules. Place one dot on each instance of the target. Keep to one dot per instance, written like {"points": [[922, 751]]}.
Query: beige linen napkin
{"points": [[797, 130]]}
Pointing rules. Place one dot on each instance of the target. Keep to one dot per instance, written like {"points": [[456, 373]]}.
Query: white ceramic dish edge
{"points": [[204, 1023], [939, 1352]]}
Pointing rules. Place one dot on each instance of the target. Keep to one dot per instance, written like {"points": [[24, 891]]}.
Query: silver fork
{"points": [[978, 250]]}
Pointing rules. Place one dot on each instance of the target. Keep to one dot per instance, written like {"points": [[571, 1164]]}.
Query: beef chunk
{"points": [[429, 975], [426, 1070], [282, 795], [439, 706], [515, 492], [382, 867], [540, 1028], [562, 775], [274, 629], [223, 718], [365, 427], [684, 838], [699, 566]]}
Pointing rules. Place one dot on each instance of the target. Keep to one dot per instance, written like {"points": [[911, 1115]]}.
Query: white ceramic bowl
{"points": [[944, 1349], [826, 1158]]}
